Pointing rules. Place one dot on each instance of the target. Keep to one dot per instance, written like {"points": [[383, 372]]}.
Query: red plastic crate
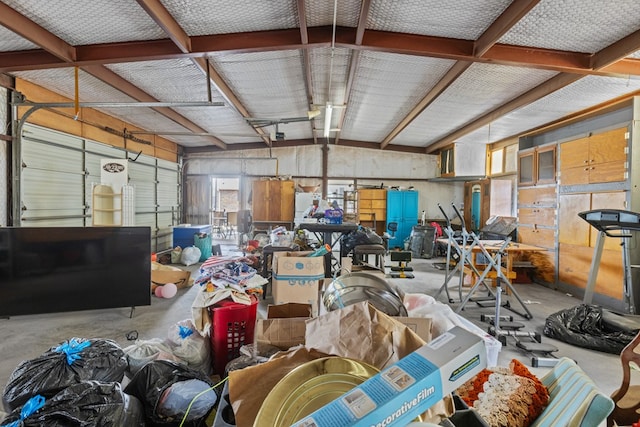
{"points": [[232, 326]]}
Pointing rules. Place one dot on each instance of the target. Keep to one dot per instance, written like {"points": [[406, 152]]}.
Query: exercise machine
{"points": [[503, 329], [464, 248], [617, 224], [402, 270]]}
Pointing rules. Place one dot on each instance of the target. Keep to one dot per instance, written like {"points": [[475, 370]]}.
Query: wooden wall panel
{"points": [[573, 260]]}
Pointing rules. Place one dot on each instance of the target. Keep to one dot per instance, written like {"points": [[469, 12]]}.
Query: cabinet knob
{"points": [[593, 167], [586, 161], [586, 169]]}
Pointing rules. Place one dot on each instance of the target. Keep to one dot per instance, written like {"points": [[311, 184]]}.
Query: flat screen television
{"points": [[57, 269]]}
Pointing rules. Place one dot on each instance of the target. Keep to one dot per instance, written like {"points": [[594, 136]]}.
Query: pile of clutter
{"points": [[151, 382], [224, 278], [96, 382]]}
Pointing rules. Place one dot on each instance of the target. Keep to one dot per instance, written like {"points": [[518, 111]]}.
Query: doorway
{"points": [[225, 204]]}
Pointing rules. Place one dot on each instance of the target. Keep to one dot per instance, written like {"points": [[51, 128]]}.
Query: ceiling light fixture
{"points": [[327, 120]]}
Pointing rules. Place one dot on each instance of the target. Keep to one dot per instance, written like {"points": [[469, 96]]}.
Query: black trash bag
{"points": [[88, 403], [583, 326], [361, 236], [69, 363], [166, 390]]}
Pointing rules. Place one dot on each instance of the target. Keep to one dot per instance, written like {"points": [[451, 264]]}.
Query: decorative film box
{"points": [[401, 392]]}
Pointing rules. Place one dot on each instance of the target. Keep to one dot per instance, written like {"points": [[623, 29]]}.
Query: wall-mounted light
{"points": [[327, 120]]}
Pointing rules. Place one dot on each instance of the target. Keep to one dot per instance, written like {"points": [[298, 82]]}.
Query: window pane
{"points": [[496, 161], [511, 158]]}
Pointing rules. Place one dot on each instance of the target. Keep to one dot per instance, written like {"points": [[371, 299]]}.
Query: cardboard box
{"points": [[161, 274], [401, 392], [296, 278], [285, 325]]}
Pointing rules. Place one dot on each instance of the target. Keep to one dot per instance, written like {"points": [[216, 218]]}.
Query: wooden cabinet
{"points": [[273, 201], [577, 240], [594, 159], [537, 224], [537, 165], [372, 208]]}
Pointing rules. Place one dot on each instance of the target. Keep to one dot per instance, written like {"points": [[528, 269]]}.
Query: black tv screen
{"points": [[56, 269]]}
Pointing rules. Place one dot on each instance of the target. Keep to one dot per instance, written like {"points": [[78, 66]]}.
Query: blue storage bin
{"points": [[184, 236]]}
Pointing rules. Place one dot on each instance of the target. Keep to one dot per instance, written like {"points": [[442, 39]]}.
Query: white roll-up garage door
{"points": [[59, 171]]}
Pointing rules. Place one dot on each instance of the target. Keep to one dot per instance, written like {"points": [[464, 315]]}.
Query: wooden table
{"points": [[494, 267]]}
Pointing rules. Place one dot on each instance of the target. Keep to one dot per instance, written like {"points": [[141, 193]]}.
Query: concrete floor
{"points": [[26, 337]]}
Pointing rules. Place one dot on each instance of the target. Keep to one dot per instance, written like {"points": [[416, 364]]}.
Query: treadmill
{"points": [[618, 224]]}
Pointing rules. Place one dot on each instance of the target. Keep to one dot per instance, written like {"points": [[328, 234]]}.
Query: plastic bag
{"points": [[90, 403], [189, 346], [62, 366], [361, 236], [144, 351], [190, 255], [176, 398], [583, 326], [156, 377], [176, 254]]}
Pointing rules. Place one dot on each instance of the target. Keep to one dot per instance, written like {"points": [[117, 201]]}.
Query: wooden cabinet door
{"points": [[574, 154], [526, 167], [608, 147], [285, 202], [260, 200], [541, 196], [546, 165], [608, 156], [532, 235], [572, 229], [539, 216], [610, 200]]}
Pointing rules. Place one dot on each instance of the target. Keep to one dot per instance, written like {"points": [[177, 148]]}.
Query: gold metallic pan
{"points": [[309, 387]]}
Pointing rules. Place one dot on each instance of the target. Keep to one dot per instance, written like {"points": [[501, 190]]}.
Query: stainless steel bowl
{"points": [[356, 287]]}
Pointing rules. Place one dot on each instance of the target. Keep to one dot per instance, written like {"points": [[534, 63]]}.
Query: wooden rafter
{"points": [[355, 60], [485, 42], [381, 41], [604, 58], [58, 48]]}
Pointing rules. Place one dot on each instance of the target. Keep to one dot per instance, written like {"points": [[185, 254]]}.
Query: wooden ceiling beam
{"points": [[36, 34], [454, 72], [365, 7], [124, 86], [616, 51], [606, 57], [486, 41], [381, 41], [306, 61], [507, 19], [542, 90], [163, 18]]}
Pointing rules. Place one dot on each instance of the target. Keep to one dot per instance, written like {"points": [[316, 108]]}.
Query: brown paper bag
{"points": [[358, 331], [361, 332], [249, 387]]}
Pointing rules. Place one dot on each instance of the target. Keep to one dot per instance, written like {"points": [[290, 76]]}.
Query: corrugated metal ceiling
{"points": [[413, 75]]}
